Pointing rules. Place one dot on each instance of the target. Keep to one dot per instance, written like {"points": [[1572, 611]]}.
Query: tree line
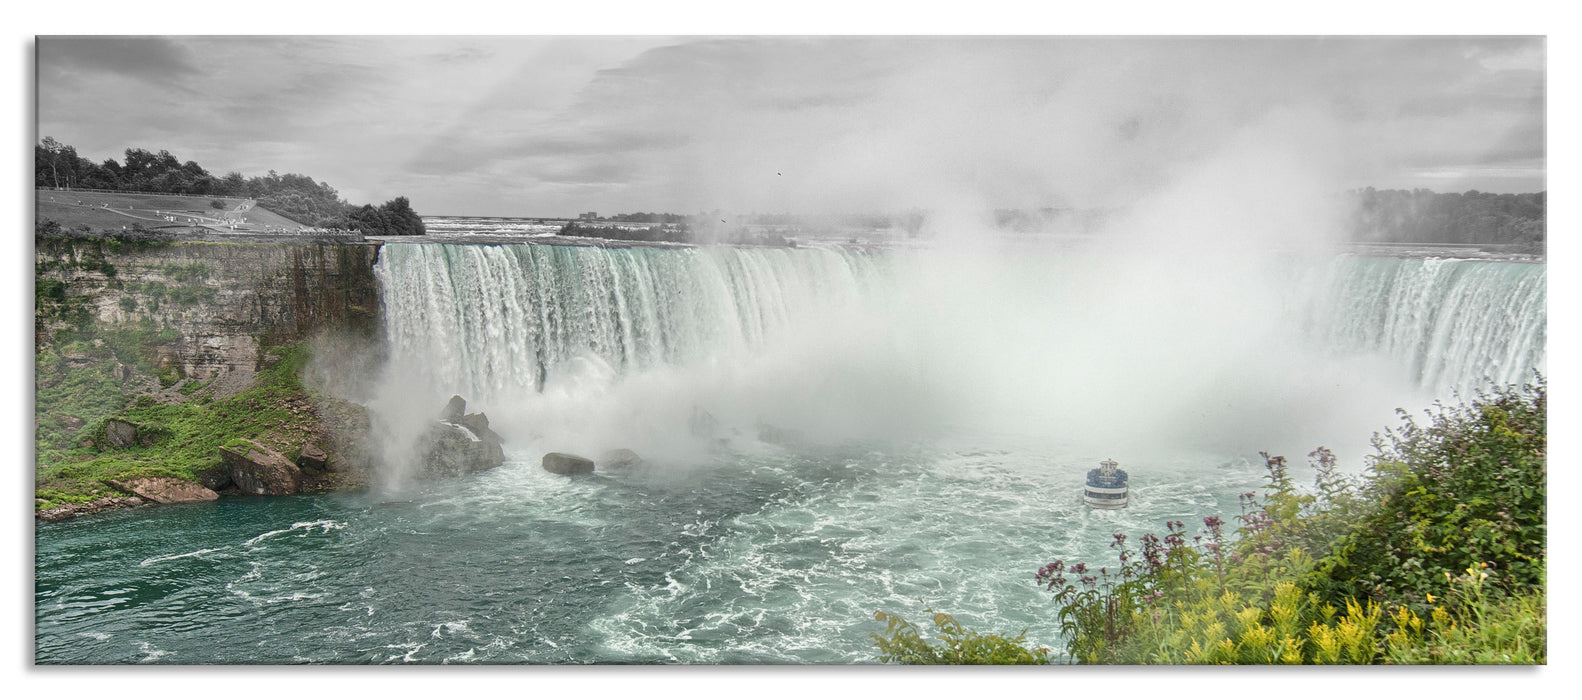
{"points": [[296, 197], [1424, 216]]}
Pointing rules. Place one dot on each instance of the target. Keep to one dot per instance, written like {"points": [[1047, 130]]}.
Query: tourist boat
{"points": [[1106, 487]]}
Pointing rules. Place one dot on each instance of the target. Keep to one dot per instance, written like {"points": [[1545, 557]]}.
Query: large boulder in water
{"points": [[260, 471], [478, 424], [459, 443], [562, 463], [448, 449], [454, 409]]}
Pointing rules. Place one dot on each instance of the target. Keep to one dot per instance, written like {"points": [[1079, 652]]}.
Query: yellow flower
{"points": [[1430, 599]]}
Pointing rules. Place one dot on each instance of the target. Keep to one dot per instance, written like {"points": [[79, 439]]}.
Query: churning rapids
{"points": [[826, 433]]}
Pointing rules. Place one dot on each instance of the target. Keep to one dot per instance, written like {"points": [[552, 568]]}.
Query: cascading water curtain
{"points": [[497, 320], [1452, 325], [494, 321]]}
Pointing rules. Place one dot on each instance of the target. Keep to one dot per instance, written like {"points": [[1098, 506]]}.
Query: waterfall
{"points": [[626, 342], [1450, 325], [499, 322]]}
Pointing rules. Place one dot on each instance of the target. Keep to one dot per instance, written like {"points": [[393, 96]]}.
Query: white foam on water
{"points": [[293, 597], [172, 557], [150, 653], [450, 628], [323, 525], [411, 650]]}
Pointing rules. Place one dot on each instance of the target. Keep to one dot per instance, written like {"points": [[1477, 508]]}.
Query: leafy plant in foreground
{"points": [[902, 642], [1468, 490]]}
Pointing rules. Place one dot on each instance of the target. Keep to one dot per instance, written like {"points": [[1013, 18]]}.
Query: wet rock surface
{"points": [[98, 505], [454, 409], [459, 443], [562, 463], [259, 471]]}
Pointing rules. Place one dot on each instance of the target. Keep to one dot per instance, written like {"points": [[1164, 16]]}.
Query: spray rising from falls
{"points": [[606, 347]]}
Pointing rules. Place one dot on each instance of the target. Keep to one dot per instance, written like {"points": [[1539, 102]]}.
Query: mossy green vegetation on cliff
{"points": [[1435, 556], [119, 324], [180, 439]]}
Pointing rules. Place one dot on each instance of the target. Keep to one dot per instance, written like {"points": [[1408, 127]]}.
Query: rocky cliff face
{"points": [[218, 306], [152, 357]]}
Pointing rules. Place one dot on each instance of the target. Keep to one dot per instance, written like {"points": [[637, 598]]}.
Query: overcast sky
{"points": [[559, 125]]}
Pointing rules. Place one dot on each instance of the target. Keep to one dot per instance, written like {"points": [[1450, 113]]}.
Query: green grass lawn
{"points": [[62, 207]]}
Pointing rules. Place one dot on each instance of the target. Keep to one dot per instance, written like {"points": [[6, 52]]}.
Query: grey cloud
{"points": [[158, 60], [583, 172], [895, 121], [612, 142], [465, 54], [849, 121]]}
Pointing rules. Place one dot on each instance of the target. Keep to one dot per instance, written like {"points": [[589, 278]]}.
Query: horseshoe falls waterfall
{"points": [[823, 433], [589, 347]]}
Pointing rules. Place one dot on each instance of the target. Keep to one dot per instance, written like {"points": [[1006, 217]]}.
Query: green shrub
{"points": [[194, 387], [1465, 491], [902, 643], [1471, 628], [168, 376], [48, 290]]}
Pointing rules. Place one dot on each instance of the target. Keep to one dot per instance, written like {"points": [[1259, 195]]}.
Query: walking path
{"points": [[232, 220]]}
